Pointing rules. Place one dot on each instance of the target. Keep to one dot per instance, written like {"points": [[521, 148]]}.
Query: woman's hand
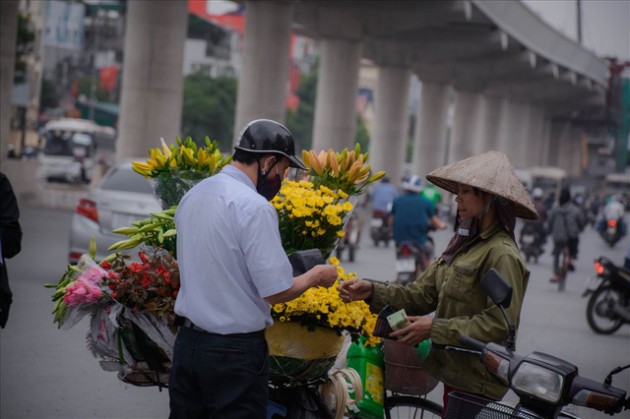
{"points": [[355, 289], [418, 330]]}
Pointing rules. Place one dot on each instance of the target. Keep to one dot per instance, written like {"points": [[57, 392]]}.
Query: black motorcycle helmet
{"points": [[269, 137]]}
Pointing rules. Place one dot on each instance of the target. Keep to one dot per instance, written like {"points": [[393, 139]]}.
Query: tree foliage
{"points": [[209, 108], [24, 46], [300, 121], [49, 96]]}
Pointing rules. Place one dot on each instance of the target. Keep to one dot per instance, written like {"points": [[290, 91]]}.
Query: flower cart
{"points": [[131, 302]]}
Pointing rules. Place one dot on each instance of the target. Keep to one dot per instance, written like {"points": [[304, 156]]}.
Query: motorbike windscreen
{"points": [[65, 143]]}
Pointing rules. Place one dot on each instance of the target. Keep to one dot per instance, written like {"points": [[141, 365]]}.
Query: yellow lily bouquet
{"points": [[178, 167]]}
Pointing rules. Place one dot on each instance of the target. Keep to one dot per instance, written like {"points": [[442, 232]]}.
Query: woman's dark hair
{"points": [[565, 196]]}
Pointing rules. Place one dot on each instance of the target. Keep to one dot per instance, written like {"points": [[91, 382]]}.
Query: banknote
{"points": [[398, 320]]}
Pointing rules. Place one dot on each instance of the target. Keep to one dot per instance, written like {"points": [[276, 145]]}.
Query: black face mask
{"points": [[268, 185]]}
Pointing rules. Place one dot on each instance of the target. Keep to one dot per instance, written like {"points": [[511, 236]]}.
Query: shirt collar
{"points": [[494, 227], [239, 175]]}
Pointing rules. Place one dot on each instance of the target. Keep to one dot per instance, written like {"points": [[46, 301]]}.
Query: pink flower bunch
{"points": [[85, 290]]}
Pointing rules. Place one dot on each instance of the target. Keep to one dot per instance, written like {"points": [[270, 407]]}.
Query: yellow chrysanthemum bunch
{"points": [[347, 171], [310, 217], [323, 307]]}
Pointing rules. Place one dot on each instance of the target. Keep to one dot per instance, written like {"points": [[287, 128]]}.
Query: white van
{"points": [[68, 150], [549, 179]]}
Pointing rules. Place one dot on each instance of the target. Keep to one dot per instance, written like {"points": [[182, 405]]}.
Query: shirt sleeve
{"points": [[265, 257]]}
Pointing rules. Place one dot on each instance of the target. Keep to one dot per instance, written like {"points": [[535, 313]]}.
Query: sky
{"points": [[605, 23]]}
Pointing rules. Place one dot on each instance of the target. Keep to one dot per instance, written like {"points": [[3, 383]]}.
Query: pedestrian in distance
{"points": [[232, 268], [489, 197], [10, 242], [564, 226]]}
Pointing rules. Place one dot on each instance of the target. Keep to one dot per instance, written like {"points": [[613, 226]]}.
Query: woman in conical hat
{"points": [[489, 198]]}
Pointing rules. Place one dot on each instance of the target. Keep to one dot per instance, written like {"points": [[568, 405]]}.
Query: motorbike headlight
{"points": [[538, 381]]}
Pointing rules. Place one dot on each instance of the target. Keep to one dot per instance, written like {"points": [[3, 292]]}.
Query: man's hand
{"points": [[325, 275]]}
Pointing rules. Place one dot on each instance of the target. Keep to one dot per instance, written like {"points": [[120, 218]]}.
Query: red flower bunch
{"points": [[151, 284]]}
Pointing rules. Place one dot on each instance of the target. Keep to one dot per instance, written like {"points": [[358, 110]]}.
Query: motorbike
{"points": [[411, 259], [530, 242], [380, 230], [406, 262], [350, 241], [611, 232], [545, 384], [608, 305]]}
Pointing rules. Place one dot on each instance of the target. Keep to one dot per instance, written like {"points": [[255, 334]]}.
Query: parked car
{"points": [[120, 198]]}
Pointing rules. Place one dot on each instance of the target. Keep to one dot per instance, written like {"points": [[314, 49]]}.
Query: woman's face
{"points": [[470, 202]]}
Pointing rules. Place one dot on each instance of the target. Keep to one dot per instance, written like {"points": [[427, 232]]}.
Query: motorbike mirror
{"points": [[500, 292], [495, 286]]}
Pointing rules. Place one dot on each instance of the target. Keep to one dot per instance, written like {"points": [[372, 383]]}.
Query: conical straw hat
{"points": [[490, 172]]}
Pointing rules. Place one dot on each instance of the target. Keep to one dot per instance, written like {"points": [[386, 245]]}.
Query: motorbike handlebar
{"points": [[598, 396], [469, 342]]}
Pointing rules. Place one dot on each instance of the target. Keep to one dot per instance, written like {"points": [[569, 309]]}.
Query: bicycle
{"points": [[565, 261], [407, 384]]}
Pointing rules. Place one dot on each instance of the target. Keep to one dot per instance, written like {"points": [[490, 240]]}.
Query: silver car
{"points": [[121, 197]]}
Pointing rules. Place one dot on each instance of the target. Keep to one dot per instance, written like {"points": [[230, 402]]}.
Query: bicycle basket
{"points": [[464, 405], [403, 370]]}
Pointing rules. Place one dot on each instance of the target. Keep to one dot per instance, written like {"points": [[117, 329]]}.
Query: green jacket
{"points": [[462, 308]]}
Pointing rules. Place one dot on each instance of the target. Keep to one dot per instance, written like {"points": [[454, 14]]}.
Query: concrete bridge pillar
{"points": [[569, 151], [465, 125], [8, 40], [263, 81], [557, 130], [513, 132], [503, 127], [520, 123], [545, 142], [486, 135], [429, 143], [535, 139], [388, 145], [334, 124], [152, 87]]}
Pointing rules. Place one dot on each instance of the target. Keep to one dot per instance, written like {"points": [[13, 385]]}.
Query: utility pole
{"points": [[95, 23], [579, 21]]}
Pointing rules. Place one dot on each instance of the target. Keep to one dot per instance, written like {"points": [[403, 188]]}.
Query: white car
{"points": [[120, 198]]}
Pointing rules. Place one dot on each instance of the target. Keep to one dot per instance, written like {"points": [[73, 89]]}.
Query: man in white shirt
{"points": [[232, 268]]}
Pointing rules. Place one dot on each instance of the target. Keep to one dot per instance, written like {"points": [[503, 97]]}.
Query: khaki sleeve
{"points": [[488, 325], [417, 298]]}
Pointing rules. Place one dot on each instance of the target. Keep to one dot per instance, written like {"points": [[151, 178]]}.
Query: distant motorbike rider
{"points": [[613, 210], [432, 193], [538, 225], [412, 217], [383, 196]]}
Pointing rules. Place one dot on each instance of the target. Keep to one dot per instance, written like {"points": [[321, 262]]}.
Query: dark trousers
{"points": [[219, 376]]}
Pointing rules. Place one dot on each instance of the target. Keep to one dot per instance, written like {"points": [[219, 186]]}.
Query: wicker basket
{"points": [[296, 353], [403, 370]]}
